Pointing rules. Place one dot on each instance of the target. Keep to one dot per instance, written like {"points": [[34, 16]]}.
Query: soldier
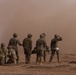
{"points": [[27, 45], [40, 44], [12, 57], [3, 54], [13, 46], [45, 48], [54, 47]]}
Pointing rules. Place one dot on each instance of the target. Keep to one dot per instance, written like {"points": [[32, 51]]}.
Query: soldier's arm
{"points": [[9, 42], [19, 42], [46, 45], [59, 38], [6, 52]]}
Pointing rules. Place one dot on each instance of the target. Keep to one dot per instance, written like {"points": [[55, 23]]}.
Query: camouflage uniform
{"points": [[54, 47], [40, 44], [45, 48], [3, 54], [27, 45], [12, 46]]}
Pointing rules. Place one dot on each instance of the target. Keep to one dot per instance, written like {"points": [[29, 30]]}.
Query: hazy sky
{"points": [[38, 16]]}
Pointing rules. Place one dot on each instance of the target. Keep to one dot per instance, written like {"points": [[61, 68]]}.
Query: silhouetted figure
{"points": [[40, 44], [45, 48], [27, 45], [12, 46], [54, 47], [3, 54]]}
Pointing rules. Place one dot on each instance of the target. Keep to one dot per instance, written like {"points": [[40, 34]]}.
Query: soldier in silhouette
{"points": [[54, 46], [27, 45], [12, 46]]}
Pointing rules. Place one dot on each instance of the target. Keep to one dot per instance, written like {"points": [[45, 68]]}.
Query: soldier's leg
{"points": [[29, 56], [17, 56], [52, 55], [37, 58], [26, 58], [2, 60], [57, 52], [41, 56], [40, 59], [44, 57], [14, 57], [25, 53]]}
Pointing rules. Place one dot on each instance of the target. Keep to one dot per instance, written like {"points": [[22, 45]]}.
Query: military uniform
{"points": [[27, 45], [45, 48], [12, 46], [3, 55], [40, 44], [54, 47]]}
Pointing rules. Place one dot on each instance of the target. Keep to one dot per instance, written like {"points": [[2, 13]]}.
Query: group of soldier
{"points": [[12, 56]]}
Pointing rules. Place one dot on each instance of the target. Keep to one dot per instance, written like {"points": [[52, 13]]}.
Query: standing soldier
{"points": [[45, 48], [27, 45], [13, 45], [40, 44], [3, 54], [54, 47]]}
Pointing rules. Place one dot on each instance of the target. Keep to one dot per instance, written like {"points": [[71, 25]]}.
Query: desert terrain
{"points": [[67, 66]]}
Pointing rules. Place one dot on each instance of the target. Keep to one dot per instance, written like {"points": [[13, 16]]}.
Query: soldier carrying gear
{"points": [[3, 54], [27, 45], [40, 44], [12, 46], [54, 47]]}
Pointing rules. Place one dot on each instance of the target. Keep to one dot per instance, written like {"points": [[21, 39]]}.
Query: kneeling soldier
{"points": [[3, 54]]}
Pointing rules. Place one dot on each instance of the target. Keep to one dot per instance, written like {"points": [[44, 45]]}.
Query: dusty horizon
{"points": [[38, 16]]}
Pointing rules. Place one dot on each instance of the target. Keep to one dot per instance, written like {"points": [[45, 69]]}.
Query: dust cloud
{"points": [[38, 16]]}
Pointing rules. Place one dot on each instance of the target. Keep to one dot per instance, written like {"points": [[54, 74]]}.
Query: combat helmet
{"points": [[29, 35], [15, 35], [2, 45], [55, 35], [44, 34], [41, 36]]}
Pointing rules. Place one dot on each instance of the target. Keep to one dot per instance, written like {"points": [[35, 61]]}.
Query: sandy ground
{"points": [[67, 66]]}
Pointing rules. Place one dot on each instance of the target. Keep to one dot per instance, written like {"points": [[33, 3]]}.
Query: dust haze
{"points": [[38, 16]]}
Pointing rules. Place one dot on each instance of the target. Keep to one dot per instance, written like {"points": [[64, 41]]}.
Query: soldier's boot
{"points": [[40, 62], [37, 59], [51, 57], [58, 56], [29, 56], [26, 60]]}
